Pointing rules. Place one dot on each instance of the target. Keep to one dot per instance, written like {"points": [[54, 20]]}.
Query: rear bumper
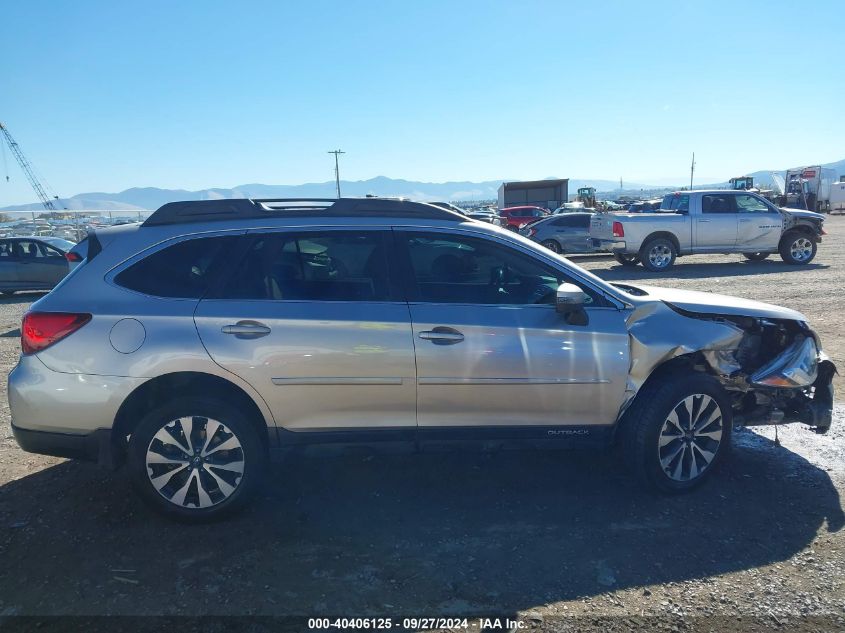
{"points": [[92, 447], [615, 245]]}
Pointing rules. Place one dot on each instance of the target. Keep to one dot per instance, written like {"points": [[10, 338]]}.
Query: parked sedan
{"points": [[32, 263], [514, 218], [562, 233]]}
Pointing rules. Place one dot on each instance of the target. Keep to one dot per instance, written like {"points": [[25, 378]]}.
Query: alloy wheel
{"points": [[195, 461], [660, 255], [801, 249], [690, 437]]}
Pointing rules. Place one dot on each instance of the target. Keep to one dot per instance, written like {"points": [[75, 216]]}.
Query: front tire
{"points": [[797, 248], [676, 432], [196, 459], [553, 246], [658, 254], [626, 260]]}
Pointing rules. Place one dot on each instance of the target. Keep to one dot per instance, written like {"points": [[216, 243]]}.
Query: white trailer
{"points": [[837, 197]]}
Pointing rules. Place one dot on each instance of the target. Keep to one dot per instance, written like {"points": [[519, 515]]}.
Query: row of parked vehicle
{"points": [[655, 233]]}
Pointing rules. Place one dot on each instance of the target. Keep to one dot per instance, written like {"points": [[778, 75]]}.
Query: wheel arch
{"points": [[692, 363], [664, 234], [187, 383], [799, 228]]}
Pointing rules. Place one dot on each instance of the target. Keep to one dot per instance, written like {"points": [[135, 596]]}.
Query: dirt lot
{"points": [[549, 537]]}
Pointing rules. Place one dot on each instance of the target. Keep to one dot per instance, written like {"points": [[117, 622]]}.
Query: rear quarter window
{"points": [[183, 270]]}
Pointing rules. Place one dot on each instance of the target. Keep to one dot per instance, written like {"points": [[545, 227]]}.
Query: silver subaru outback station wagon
{"points": [[193, 346]]}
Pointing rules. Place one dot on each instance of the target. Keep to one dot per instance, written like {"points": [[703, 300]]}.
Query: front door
{"points": [[716, 224], [311, 320], [760, 224], [491, 349]]}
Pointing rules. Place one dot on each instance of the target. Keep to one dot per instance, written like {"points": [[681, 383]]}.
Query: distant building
{"points": [[549, 194]]}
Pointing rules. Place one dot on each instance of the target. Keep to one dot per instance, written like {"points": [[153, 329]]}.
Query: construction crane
{"points": [[46, 200]]}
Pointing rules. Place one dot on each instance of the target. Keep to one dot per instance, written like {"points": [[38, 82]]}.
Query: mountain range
{"points": [[149, 198]]}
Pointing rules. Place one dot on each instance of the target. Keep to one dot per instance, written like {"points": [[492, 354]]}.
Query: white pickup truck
{"points": [[708, 221]]}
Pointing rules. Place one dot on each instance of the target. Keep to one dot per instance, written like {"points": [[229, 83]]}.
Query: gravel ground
{"points": [[559, 541]]}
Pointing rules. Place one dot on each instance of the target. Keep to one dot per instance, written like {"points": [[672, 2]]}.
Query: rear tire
{"points": [[658, 254], [797, 248], [676, 432], [626, 260], [196, 459], [755, 257], [553, 246]]}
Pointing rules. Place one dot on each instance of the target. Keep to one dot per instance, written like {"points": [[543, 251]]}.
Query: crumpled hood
{"points": [[710, 303], [801, 213]]}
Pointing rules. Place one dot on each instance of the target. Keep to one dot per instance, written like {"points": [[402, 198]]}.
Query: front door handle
{"points": [[246, 329], [703, 220], [745, 220], [442, 336]]}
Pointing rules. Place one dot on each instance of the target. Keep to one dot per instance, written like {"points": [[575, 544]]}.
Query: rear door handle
{"points": [[442, 336], [703, 220], [745, 220], [246, 329]]}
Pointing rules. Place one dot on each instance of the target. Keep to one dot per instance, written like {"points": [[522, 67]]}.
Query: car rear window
{"points": [[676, 203], [183, 270]]}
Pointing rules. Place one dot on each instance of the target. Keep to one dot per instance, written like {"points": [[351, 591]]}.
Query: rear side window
{"points": [[184, 270], [718, 203], [314, 266]]}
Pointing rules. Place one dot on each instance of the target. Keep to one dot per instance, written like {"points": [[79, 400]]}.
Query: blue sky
{"points": [[103, 96]]}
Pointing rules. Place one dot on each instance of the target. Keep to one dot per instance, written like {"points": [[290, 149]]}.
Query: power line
{"points": [[336, 152]]}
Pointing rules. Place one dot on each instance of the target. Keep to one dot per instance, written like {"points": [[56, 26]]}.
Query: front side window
{"points": [[313, 266], [461, 269], [718, 203], [750, 204], [184, 270]]}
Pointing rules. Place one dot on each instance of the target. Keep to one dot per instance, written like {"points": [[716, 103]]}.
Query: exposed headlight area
{"points": [[797, 366]]}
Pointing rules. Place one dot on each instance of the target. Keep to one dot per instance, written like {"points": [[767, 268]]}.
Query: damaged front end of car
{"points": [[773, 368]]}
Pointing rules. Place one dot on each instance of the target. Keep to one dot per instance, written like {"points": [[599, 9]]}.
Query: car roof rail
{"points": [[265, 208]]}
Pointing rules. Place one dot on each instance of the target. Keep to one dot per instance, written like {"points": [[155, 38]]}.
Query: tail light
{"points": [[532, 231], [39, 330], [73, 257], [618, 231]]}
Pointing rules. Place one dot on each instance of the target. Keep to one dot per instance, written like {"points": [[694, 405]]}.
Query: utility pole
{"points": [[691, 170], [336, 152]]}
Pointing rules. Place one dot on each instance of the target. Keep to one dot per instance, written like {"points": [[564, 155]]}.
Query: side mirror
{"points": [[570, 298]]}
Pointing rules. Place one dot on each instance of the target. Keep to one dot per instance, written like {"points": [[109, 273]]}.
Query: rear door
{"points": [[39, 265], [313, 320], [573, 232], [760, 224], [716, 224]]}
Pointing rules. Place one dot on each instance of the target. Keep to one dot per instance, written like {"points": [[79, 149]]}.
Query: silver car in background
{"points": [[562, 233], [32, 263], [192, 346]]}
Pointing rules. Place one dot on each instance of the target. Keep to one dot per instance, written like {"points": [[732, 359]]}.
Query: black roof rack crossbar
{"points": [[194, 211]]}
